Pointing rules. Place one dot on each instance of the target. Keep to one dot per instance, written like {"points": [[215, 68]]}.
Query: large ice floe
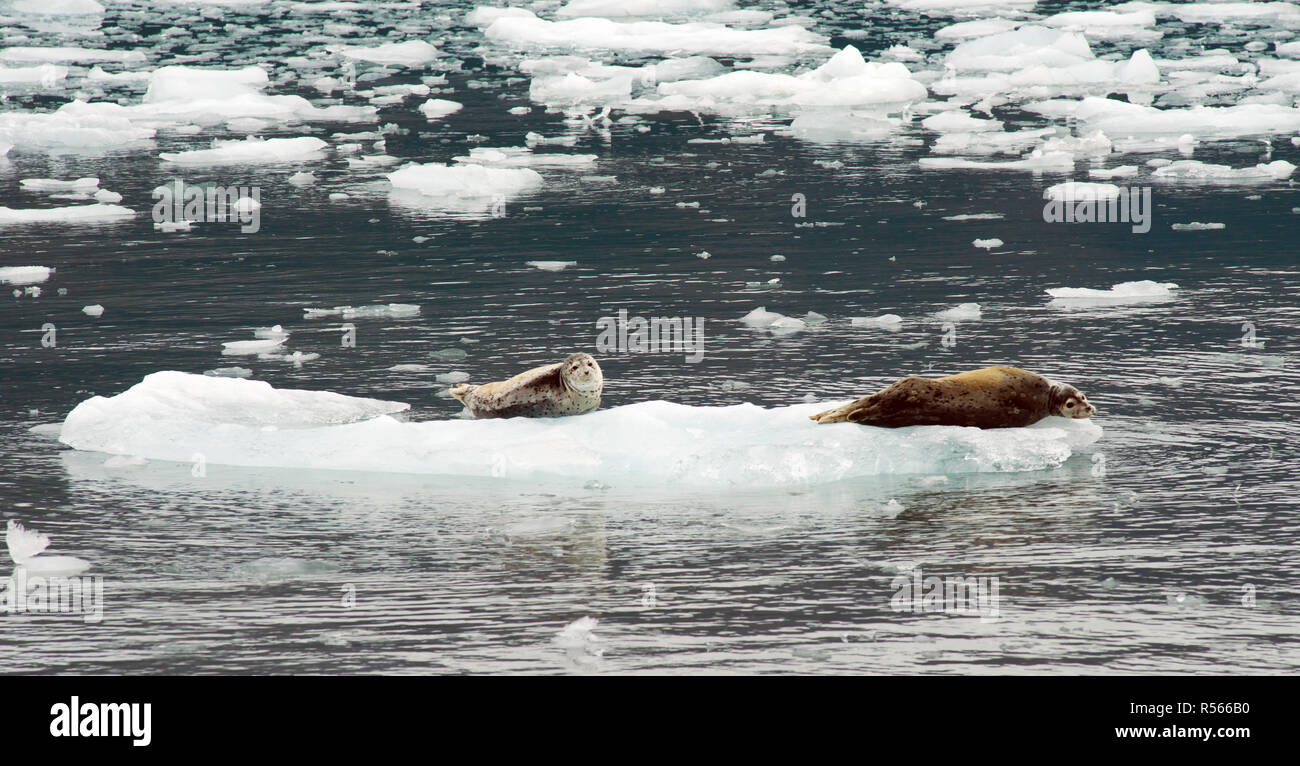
{"points": [[173, 416], [523, 29], [176, 96], [467, 188]]}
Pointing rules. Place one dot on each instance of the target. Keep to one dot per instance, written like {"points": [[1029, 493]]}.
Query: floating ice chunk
{"points": [[975, 217], [1122, 171], [845, 80], [249, 347], [390, 310], [107, 197], [962, 7], [987, 244], [1197, 226], [435, 108], [1027, 46], [617, 8], [74, 214], [275, 331], [891, 322], [172, 415], [552, 265], [449, 354], [1107, 25], [1037, 160], [760, 317], [1077, 191], [72, 54], [964, 30], [93, 310], [412, 53], [961, 313], [302, 178], [229, 372], [957, 121], [517, 157], [526, 30], [465, 187], [44, 75], [24, 275], [1196, 170], [1145, 288], [58, 7], [252, 150], [125, 461], [26, 549], [54, 184], [75, 126], [452, 377], [1119, 118]]}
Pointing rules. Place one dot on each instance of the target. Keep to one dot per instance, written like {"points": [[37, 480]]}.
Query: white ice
{"points": [[1145, 288], [24, 275], [252, 150], [26, 550], [73, 214], [172, 415]]}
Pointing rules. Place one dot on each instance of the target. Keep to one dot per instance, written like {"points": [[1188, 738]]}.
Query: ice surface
{"points": [[1077, 191], [642, 8], [93, 310], [54, 184], [988, 244], [960, 313], [172, 415], [464, 187], [1278, 170], [392, 310], [551, 265], [525, 30], [26, 547], [412, 53], [25, 275], [439, 107], [252, 150], [891, 322], [779, 324], [1197, 226], [78, 55], [72, 214], [1145, 288]]}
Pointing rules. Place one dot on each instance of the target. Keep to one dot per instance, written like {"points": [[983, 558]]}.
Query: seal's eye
{"points": [[1069, 404]]}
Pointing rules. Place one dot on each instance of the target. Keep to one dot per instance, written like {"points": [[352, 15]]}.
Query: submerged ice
{"points": [[230, 421]]}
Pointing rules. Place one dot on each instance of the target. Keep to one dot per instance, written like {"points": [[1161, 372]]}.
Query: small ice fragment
{"points": [[93, 310], [987, 244], [452, 377], [551, 265], [962, 312], [25, 275]]}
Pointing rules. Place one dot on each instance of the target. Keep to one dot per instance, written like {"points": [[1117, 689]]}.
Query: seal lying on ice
{"points": [[571, 387], [993, 397]]}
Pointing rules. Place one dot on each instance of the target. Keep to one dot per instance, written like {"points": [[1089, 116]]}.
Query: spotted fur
{"points": [[992, 397], [571, 387]]}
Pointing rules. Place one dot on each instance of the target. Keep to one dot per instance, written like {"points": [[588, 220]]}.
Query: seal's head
{"points": [[581, 373], [1069, 402]]}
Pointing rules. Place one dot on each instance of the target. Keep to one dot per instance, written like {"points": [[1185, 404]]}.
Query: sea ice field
{"points": [[247, 246]]}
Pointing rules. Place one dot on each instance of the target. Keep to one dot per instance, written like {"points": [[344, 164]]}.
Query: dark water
{"points": [[1174, 552]]}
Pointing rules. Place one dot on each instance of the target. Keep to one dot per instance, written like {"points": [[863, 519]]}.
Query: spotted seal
{"points": [[571, 387], [992, 397]]}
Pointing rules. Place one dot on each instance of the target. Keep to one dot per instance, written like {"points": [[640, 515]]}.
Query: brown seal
{"points": [[571, 387], [993, 397]]}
